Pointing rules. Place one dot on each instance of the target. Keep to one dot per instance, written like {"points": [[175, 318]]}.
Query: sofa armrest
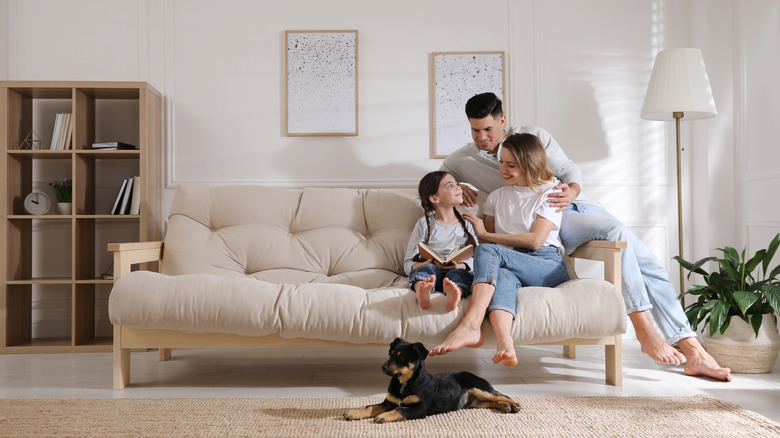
{"points": [[606, 251], [128, 254]]}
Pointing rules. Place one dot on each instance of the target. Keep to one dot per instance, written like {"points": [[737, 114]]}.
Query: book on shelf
{"points": [[135, 201], [118, 201], [68, 133], [113, 145], [124, 207], [62, 132], [458, 255]]}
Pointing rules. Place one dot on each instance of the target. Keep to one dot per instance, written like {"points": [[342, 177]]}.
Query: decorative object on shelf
{"points": [[37, 203], [738, 288], [31, 142], [63, 190], [679, 87], [457, 76], [65, 208], [321, 82]]}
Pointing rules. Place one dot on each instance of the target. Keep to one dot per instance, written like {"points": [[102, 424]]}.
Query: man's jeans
{"points": [[508, 269], [645, 283]]}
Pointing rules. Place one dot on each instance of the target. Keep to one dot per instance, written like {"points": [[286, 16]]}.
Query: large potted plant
{"points": [[739, 302]]}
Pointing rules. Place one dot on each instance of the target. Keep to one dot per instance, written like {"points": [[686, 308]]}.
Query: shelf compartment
{"points": [[28, 303], [39, 249]]}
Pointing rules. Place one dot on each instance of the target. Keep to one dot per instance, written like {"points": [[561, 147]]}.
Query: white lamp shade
{"points": [[679, 83]]}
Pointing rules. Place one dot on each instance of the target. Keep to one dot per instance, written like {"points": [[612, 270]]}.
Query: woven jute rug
{"points": [[698, 416]]}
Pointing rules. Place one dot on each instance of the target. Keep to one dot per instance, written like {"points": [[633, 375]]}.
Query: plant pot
{"points": [[65, 207], [740, 349]]}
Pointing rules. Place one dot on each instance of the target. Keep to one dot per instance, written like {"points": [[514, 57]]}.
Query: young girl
{"points": [[526, 249], [443, 229]]}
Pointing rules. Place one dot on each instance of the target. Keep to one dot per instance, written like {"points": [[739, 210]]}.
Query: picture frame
{"points": [[321, 83], [456, 77]]}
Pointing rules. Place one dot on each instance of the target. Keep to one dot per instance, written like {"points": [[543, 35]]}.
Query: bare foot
{"points": [[658, 350], [505, 353], [462, 336], [423, 289], [700, 363], [453, 294], [652, 343]]}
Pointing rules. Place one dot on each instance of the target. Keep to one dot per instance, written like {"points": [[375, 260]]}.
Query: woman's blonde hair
{"points": [[529, 152]]}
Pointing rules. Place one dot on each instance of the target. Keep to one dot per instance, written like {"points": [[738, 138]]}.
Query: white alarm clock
{"points": [[37, 203]]}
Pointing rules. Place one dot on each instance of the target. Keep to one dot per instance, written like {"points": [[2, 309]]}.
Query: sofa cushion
{"points": [[208, 303], [316, 235]]}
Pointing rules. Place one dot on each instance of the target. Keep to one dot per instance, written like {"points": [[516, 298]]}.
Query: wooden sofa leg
{"points": [[121, 360], [570, 351], [164, 354], [613, 361]]}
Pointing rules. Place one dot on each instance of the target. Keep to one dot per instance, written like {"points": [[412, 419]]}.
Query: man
{"points": [[645, 285]]}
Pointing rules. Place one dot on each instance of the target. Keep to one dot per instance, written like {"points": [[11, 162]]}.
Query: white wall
{"points": [[577, 67]]}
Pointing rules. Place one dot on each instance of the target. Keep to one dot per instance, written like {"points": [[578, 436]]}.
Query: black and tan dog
{"points": [[416, 393]]}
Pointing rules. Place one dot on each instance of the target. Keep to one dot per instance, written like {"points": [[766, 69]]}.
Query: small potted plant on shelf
{"points": [[63, 190], [740, 302]]}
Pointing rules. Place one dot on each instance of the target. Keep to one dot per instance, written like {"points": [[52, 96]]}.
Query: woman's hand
{"points": [[479, 224]]}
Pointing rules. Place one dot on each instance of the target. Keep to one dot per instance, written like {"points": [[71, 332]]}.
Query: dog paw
{"points": [[509, 408], [380, 419], [349, 416]]}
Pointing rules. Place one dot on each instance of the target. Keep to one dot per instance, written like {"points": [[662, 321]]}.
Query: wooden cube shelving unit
{"points": [[27, 270]]}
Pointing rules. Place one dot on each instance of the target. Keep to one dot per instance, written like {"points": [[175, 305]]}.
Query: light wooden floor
{"points": [[345, 372]]}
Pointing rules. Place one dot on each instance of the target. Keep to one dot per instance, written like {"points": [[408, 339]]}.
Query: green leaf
{"points": [[770, 253], [730, 254], [731, 269], [718, 316], [755, 322], [745, 299], [753, 263], [772, 294], [694, 267], [775, 273]]}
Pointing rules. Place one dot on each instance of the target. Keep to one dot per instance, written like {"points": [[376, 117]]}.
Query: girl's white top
{"points": [[444, 239]]}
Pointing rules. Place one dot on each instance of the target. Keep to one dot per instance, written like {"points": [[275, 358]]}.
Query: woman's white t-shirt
{"points": [[515, 210]]}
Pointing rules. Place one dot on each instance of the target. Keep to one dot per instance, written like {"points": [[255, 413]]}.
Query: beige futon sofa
{"points": [[251, 266]]}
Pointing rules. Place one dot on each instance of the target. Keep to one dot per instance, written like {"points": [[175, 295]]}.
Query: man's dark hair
{"points": [[483, 105]]}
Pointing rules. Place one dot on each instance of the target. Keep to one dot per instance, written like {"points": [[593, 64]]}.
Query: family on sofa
{"points": [[253, 266], [519, 181]]}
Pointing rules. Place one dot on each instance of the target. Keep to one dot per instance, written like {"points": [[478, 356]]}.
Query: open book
{"points": [[428, 253]]}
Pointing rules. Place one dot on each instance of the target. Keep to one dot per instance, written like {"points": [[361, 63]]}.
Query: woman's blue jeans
{"points": [[645, 284], [461, 277], [509, 269]]}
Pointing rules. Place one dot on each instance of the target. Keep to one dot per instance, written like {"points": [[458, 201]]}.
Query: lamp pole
{"points": [[677, 117]]}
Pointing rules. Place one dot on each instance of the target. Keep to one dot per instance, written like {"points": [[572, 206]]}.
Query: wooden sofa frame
{"points": [[125, 339]]}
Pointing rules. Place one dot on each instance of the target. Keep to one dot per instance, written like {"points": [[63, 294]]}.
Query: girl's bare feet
{"points": [[505, 353], [462, 336], [423, 289], [651, 342], [700, 363], [454, 294]]}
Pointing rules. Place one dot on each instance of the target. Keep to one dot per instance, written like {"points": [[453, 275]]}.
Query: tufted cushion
{"points": [[355, 237], [201, 303]]}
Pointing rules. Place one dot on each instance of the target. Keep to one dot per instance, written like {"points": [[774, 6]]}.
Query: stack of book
{"points": [[112, 145], [62, 133], [128, 200]]}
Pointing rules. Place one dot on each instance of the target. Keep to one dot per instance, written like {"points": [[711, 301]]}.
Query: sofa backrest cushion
{"points": [[313, 235]]}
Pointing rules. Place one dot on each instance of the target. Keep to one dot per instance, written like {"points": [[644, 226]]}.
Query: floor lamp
{"points": [[679, 88]]}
